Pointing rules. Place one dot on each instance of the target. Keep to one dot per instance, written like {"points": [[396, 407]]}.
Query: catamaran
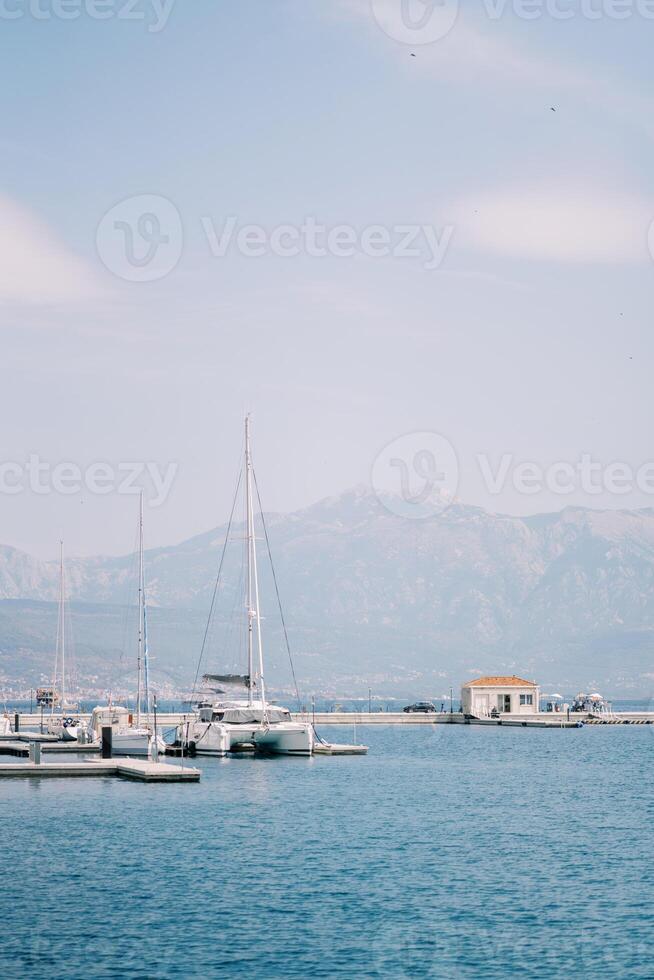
{"points": [[225, 724], [64, 720], [133, 736]]}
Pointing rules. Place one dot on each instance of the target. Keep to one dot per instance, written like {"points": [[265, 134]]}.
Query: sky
{"points": [[406, 237]]}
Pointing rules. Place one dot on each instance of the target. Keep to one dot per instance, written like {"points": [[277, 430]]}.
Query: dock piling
{"points": [[107, 742]]}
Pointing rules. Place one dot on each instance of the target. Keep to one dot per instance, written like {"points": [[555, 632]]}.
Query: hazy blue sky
{"points": [[531, 339]]}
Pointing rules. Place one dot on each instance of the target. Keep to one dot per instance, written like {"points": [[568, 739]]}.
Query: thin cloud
{"points": [[466, 50], [35, 267], [481, 49], [558, 223]]}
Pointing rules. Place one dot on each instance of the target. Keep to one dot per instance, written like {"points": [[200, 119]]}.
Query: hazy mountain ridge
{"points": [[368, 593]]}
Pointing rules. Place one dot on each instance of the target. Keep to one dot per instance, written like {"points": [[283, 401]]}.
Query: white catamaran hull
{"points": [[215, 738], [287, 738], [219, 738]]}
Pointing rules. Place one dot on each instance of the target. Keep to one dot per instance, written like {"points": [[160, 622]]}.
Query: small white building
{"points": [[505, 695]]}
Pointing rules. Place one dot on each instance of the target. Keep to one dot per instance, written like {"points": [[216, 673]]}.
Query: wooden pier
{"points": [[136, 769], [21, 748]]}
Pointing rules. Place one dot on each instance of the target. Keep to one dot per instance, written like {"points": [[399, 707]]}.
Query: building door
{"points": [[504, 702]]}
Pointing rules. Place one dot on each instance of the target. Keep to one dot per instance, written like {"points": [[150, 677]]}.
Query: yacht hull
{"points": [[136, 743], [287, 738], [214, 737], [219, 738]]}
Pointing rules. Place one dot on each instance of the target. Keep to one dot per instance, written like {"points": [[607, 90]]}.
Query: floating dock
{"points": [[620, 720], [524, 722], [327, 748], [137, 769], [21, 747]]}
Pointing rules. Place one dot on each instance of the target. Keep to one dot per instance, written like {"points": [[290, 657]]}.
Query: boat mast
{"points": [[139, 654], [253, 576], [62, 614], [248, 507], [59, 643], [146, 658]]}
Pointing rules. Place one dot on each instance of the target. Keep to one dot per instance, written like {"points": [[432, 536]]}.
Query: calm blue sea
{"points": [[446, 852]]}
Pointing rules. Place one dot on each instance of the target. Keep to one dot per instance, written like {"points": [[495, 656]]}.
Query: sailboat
{"points": [[133, 737], [226, 724], [64, 722]]}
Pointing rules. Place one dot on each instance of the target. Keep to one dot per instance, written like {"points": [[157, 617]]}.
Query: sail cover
{"points": [[227, 679]]}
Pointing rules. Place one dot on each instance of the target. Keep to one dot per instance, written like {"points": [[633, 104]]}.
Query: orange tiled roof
{"points": [[512, 681]]}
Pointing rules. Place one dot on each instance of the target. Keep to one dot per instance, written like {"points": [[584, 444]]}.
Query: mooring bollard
{"points": [[35, 753], [107, 742]]}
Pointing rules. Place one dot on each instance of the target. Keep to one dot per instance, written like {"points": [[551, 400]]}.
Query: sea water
{"points": [[447, 851]]}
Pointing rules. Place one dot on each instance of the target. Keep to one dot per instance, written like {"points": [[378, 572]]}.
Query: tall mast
{"points": [[59, 643], [250, 536], [139, 654], [253, 576], [146, 658], [62, 612]]}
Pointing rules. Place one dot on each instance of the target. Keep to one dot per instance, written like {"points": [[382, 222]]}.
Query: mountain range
{"points": [[371, 599]]}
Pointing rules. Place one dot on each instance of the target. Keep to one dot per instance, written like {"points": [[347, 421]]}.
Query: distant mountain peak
{"points": [[367, 590]]}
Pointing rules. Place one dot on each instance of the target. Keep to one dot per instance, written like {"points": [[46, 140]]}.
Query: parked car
{"points": [[423, 706]]}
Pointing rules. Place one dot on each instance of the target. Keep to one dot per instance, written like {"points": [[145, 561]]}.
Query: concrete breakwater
{"points": [[541, 719], [31, 722]]}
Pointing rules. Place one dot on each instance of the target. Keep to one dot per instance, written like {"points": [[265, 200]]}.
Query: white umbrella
{"points": [[558, 697]]}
